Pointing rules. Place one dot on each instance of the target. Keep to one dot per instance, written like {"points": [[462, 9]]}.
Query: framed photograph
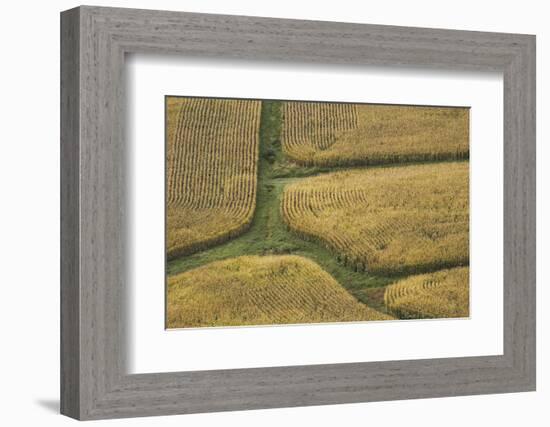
{"points": [[261, 213]]}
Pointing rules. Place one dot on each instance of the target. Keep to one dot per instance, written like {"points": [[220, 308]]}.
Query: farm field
{"points": [[261, 290], [386, 220], [335, 134], [434, 295], [211, 169], [252, 226]]}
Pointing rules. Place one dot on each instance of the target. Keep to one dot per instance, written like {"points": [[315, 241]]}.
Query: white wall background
{"points": [[29, 214]]}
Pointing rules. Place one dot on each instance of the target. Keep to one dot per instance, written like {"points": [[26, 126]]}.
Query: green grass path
{"points": [[269, 235]]}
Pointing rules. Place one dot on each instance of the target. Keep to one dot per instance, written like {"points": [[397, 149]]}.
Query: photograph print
{"points": [[295, 212]]}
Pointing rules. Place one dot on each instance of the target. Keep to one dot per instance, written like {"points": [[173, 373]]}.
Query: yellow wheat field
{"points": [[260, 290], [330, 134], [211, 163], [386, 220], [435, 295]]}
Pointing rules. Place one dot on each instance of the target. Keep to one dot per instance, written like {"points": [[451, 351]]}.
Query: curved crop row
{"points": [[361, 134], [408, 219], [442, 294], [212, 157], [259, 290], [310, 128]]}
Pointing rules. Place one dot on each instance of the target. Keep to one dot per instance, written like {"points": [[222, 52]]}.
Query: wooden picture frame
{"points": [[94, 382]]}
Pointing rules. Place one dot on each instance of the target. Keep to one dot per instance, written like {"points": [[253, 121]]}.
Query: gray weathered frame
{"points": [[94, 41]]}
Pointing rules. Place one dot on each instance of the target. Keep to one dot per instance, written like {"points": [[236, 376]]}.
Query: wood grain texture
{"points": [[94, 270], [70, 314]]}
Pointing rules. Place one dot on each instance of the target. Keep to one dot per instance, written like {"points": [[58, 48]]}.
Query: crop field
{"points": [[260, 290], [386, 220], [332, 134], [435, 295], [211, 164], [302, 212]]}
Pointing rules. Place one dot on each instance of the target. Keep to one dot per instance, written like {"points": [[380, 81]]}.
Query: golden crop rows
{"points": [[326, 134], [312, 127], [386, 220], [212, 157], [435, 295], [258, 290]]}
